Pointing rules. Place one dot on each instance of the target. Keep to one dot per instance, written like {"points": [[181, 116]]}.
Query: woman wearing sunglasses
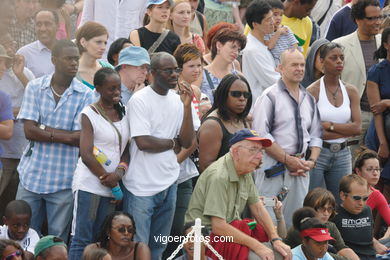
{"points": [[11, 250], [367, 166], [116, 236], [323, 203], [339, 108], [233, 100]]}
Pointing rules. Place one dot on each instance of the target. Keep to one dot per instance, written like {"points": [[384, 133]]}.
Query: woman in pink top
{"points": [[367, 166]]}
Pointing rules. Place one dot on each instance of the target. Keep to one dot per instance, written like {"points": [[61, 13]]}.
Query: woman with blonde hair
{"points": [[179, 23], [91, 39]]}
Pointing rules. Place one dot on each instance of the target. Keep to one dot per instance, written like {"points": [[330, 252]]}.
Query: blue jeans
{"points": [[90, 210], [331, 167], [153, 216], [57, 207]]}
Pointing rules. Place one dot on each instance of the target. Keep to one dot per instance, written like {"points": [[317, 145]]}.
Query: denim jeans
{"points": [[153, 216], [184, 192], [89, 212], [331, 167], [56, 206]]}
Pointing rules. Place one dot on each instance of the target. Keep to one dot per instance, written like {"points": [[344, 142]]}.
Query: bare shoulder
{"points": [[351, 89], [314, 89], [134, 38]]}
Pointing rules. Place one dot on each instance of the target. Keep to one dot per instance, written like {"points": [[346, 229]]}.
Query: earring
{"points": [[108, 237]]}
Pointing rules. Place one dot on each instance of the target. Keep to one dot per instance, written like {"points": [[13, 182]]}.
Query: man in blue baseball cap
{"points": [[226, 187], [133, 66]]}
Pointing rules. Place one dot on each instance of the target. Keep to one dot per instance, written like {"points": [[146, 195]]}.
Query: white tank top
{"points": [[330, 113]]}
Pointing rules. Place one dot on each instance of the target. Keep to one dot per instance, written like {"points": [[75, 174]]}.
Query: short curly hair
{"points": [[358, 11]]}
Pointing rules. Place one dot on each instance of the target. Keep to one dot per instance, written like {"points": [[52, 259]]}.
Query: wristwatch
{"points": [[331, 127], [42, 126], [275, 239]]}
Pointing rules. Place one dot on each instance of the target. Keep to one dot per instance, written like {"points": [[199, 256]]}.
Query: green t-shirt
{"points": [[220, 192]]}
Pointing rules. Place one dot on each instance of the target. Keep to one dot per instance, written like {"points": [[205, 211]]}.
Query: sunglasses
{"points": [[237, 94], [11, 256], [123, 230], [357, 198]]}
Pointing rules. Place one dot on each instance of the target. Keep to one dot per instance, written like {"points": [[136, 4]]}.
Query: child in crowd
{"points": [[17, 218], [95, 254], [189, 246], [354, 218], [282, 38], [315, 236]]}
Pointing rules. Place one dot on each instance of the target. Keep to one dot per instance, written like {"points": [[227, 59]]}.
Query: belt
{"points": [[336, 147]]}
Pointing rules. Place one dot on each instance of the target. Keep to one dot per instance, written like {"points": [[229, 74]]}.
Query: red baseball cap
{"points": [[317, 234]]}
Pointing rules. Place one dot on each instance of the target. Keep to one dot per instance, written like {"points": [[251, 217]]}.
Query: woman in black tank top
{"points": [[232, 102], [116, 236], [158, 16]]}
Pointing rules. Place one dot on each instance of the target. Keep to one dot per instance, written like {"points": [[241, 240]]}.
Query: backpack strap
{"points": [[159, 40]]}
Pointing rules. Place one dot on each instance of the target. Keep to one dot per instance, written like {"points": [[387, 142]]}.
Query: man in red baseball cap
{"points": [[225, 188]]}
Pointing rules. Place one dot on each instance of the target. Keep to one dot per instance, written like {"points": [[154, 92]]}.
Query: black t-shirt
{"points": [[356, 230], [169, 44]]}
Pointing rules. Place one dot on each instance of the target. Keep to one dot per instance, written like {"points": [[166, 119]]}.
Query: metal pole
{"points": [[197, 238]]}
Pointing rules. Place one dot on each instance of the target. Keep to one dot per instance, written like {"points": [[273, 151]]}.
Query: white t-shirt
{"points": [[106, 139], [258, 66], [27, 243], [151, 114], [188, 168]]}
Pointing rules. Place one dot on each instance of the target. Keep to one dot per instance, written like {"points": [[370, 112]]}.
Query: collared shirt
{"points": [[50, 166], [38, 58], [24, 33], [294, 126], [125, 94], [220, 192], [11, 85]]}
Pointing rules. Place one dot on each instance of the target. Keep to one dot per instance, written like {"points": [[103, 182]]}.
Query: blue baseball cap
{"points": [[133, 55], [251, 135], [157, 2]]}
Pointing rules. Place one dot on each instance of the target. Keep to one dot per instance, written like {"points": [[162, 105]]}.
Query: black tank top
{"points": [[226, 136], [147, 38]]}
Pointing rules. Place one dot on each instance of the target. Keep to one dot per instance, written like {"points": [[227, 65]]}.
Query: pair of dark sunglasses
{"points": [[237, 94], [357, 198], [11, 256], [124, 229]]}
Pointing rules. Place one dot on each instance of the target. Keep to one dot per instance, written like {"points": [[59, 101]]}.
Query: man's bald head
{"points": [[287, 54]]}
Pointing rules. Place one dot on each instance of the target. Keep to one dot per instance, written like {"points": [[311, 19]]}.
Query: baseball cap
{"points": [[251, 135], [47, 242], [157, 2], [317, 234], [3, 53], [133, 55]]}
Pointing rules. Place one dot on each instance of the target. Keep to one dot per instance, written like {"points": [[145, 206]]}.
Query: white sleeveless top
{"points": [[106, 139], [330, 113]]}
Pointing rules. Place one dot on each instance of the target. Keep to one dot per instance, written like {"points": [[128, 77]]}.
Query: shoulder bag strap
{"points": [[211, 84], [103, 114], [157, 43]]}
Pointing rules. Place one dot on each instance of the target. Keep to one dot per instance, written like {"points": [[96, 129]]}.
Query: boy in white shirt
{"points": [[16, 226]]}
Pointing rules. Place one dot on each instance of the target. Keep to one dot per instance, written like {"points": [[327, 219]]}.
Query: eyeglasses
{"points": [[11, 256], [357, 198], [237, 94], [328, 209], [253, 150], [374, 170], [374, 18], [124, 229], [170, 71]]}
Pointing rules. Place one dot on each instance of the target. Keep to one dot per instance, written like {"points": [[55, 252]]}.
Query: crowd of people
{"points": [[124, 121]]}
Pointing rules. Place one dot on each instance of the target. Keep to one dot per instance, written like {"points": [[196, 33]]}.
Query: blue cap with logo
{"points": [[157, 2], [251, 135], [133, 55]]}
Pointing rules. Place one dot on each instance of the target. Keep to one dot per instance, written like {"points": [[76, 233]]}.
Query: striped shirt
{"points": [[50, 166]]}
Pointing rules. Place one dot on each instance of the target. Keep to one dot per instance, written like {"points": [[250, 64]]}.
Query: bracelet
{"points": [[275, 239], [173, 143], [123, 165]]}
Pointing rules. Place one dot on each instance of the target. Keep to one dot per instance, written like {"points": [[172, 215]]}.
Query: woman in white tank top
{"points": [[339, 107]]}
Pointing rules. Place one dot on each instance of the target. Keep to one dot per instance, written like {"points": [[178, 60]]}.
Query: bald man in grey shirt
{"points": [[287, 114]]}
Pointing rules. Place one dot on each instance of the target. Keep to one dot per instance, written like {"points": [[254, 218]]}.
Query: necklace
{"points": [[334, 94], [54, 92]]}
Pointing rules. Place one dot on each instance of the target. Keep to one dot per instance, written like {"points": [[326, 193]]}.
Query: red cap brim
{"points": [[264, 141]]}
